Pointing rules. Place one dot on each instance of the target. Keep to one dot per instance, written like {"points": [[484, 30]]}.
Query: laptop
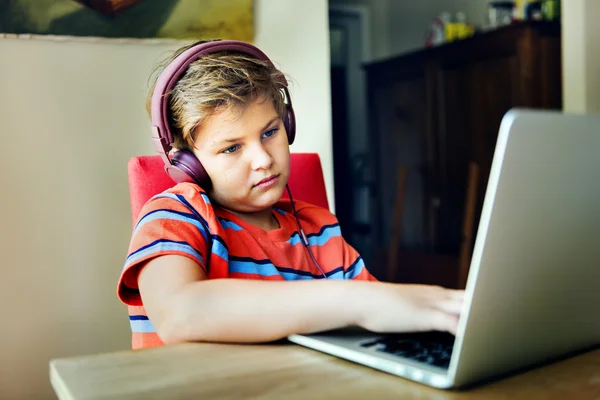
{"points": [[533, 289]]}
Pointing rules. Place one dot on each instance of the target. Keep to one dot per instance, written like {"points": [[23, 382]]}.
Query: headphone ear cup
{"points": [[289, 122], [185, 167]]}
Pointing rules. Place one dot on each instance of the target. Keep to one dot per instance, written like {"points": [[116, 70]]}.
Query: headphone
{"points": [[183, 165]]}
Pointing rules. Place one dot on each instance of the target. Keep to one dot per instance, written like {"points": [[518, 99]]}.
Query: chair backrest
{"points": [[147, 178]]}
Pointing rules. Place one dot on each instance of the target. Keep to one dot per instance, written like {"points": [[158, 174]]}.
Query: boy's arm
{"points": [[184, 306]]}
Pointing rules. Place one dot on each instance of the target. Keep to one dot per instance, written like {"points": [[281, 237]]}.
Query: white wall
{"points": [[72, 114], [581, 55]]}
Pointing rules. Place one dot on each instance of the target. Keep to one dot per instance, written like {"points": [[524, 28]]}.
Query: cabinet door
{"points": [[473, 98], [477, 85], [400, 112]]}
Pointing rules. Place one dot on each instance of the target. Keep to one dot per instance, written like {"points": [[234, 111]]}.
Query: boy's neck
{"points": [[264, 219]]}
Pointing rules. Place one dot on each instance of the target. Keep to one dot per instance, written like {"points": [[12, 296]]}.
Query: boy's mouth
{"points": [[267, 181]]}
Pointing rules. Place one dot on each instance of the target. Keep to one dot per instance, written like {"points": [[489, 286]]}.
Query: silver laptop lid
{"points": [[536, 259]]}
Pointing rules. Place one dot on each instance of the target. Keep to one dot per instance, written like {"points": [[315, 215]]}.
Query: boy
{"points": [[219, 257]]}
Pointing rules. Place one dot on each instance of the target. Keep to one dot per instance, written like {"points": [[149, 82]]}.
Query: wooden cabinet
{"points": [[437, 111]]}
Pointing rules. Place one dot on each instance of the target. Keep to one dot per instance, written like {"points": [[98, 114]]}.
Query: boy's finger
{"points": [[453, 306], [445, 322], [455, 294]]}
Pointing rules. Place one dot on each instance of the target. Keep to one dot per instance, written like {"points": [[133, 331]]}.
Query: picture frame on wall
{"points": [[141, 19]]}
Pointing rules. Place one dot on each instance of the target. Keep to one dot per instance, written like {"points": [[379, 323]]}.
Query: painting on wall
{"points": [[173, 19]]}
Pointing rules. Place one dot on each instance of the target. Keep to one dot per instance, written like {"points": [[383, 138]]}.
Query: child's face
{"points": [[247, 156]]}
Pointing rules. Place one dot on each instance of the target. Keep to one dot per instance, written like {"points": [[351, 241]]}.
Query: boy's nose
{"points": [[261, 159]]}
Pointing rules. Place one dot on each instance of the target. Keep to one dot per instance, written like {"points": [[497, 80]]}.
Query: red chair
{"points": [[147, 178]]}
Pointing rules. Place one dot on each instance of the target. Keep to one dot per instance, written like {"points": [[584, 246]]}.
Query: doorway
{"points": [[348, 28]]}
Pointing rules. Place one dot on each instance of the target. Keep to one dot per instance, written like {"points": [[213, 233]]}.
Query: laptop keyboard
{"points": [[434, 348]]}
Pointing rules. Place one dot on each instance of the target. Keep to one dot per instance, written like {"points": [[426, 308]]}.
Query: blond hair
{"points": [[215, 82]]}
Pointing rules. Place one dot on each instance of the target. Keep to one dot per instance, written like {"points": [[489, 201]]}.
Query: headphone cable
{"points": [[302, 235]]}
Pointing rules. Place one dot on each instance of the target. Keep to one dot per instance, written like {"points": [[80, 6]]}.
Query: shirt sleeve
{"points": [[321, 219], [168, 225], [354, 266]]}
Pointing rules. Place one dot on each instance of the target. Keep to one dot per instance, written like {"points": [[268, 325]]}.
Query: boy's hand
{"points": [[388, 307]]}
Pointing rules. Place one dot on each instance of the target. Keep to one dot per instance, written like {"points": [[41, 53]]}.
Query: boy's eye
{"points": [[231, 149], [270, 133]]}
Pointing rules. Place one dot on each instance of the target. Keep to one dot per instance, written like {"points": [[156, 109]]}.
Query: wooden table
{"points": [[286, 371]]}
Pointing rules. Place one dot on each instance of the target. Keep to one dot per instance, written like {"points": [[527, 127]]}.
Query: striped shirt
{"points": [[182, 221]]}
